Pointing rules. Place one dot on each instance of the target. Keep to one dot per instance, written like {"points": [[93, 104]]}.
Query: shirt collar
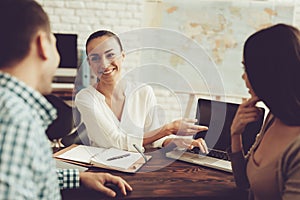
{"points": [[34, 99]]}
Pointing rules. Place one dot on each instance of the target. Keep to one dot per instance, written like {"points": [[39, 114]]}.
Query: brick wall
{"points": [[86, 16]]}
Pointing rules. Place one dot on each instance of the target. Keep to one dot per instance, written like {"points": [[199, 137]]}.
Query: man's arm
{"points": [[68, 178]]}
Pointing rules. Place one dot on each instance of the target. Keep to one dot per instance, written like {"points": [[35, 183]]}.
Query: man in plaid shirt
{"points": [[28, 60]]}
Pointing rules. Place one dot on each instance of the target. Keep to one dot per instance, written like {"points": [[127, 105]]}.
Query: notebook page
{"points": [[82, 153], [64, 165], [121, 159]]}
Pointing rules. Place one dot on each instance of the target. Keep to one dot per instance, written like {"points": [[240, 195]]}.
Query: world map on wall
{"points": [[220, 27]]}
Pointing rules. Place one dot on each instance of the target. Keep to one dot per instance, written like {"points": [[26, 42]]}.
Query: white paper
{"points": [[86, 154], [82, 153], [64, 165], [124, 162]]}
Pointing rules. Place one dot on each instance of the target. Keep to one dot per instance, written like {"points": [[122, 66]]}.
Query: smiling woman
{"points": [[104, 55], [120, 113]]}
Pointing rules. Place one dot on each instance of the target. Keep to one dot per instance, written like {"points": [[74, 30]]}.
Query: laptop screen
{"points": [[218, 116]]}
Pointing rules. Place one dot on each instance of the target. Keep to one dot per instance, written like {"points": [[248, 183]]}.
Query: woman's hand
{"points": [[184, 127], [246, 113], [188, 143], [97, 181]]}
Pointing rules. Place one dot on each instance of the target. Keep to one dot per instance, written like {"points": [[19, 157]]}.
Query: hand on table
{"points": [[97, 182]]}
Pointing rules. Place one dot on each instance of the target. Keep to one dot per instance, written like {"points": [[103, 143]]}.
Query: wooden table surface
{"points": [[164, 178]]}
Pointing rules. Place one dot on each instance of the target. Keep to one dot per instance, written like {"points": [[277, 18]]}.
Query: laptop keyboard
{"points": [[218, 154], [212, 153]]}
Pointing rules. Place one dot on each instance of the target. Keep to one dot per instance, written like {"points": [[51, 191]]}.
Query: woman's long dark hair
{"points": [[272, 63]]}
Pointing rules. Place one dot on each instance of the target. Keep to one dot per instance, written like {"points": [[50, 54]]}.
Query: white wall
{"points": [[86, 16], [297, 13]]}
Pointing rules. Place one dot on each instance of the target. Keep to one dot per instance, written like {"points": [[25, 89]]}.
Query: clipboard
{"points": [[131, 169]]}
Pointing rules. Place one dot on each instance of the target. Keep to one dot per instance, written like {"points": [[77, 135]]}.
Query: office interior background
{"points": [[218, 27]]}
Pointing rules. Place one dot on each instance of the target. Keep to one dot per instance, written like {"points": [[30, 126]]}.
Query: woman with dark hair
{"points": [[123, 114], [271, 169]]}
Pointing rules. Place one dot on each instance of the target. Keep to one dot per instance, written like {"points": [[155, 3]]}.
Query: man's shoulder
{"points": [[12, 107], [17, 121]]}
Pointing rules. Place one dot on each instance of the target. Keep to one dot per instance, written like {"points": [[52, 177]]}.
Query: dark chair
{"points": [[63, 124], [77, 136], [64, 131]]}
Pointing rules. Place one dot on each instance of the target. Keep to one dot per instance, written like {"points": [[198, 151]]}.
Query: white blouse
{"points": [[140, 115]]}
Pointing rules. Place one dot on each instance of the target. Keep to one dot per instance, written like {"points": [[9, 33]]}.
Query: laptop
{"points": [[218, 116]]}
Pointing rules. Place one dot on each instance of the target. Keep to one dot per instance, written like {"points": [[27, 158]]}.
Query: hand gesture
{"points": [[97, 182], [185, 127], [246, 113]]}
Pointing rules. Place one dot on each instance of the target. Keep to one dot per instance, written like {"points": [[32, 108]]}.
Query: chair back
{"points": [[78, 136], [64, 122]]}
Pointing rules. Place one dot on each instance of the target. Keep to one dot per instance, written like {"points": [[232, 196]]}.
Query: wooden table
{"points": [[178, 180]]}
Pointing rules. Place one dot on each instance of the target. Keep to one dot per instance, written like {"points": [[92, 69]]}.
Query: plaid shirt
{"points": [[27, 170]]}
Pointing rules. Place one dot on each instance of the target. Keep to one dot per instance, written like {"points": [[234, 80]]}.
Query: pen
{"points": [[140, 152], [118, 157]]}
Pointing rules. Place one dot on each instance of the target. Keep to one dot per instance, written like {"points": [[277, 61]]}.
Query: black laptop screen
{"points": [[218, 116]]}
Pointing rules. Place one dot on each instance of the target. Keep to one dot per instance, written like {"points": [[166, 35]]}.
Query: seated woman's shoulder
{"points": [[139, 87], [88, 93]]}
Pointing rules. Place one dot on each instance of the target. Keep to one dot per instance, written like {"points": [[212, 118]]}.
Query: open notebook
{"points": [[218, 116], [111, 158]]}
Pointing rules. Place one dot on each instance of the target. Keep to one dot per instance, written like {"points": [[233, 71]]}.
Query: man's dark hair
{"points": [[19, 22], [272, 64], [102, 33]]}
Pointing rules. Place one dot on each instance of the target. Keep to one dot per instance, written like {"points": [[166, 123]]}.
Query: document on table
{"points": [[64, 165], [111, 157]]}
